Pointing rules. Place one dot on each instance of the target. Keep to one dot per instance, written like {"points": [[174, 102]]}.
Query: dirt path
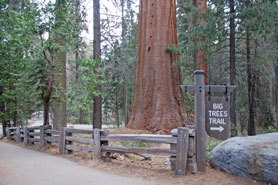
{"points": [[20, 166], [1, 131]]}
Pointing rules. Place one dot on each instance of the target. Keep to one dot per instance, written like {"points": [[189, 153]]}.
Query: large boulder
{"points": [[254, 157]]}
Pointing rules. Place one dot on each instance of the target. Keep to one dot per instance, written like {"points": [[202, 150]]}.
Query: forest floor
{"points": [[156, 169]]}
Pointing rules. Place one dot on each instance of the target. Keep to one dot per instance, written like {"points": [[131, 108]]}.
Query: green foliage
{"points": [[256, 16], [80, 95], [28, 38]]}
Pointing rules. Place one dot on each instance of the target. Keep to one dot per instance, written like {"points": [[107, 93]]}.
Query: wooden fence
{"points": [[181, 143]]}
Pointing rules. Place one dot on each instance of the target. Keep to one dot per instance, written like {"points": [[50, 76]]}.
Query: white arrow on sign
{"points": [[220, 128]]}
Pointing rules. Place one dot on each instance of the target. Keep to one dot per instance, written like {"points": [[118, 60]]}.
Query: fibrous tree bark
{"points": [[200, 55], [60, 108], [158, 103], [97, 105]]}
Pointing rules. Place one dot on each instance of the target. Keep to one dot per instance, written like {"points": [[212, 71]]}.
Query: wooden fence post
{"points": [[62, 141], [26, 135], [42, 136], [47, 134], [97, 147], [30, 136], [173, 146], [182, 150], [67, 142], [8, 133], [105, 143], [199, 82], [17, 135], [191, 160]]}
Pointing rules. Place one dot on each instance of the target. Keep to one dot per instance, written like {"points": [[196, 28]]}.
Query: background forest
{"points": [[46, 63]]}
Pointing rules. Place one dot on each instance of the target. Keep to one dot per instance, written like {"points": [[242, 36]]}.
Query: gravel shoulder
{"points": [[20, 166]]}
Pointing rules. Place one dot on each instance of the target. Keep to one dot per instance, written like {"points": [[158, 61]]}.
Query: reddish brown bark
{"points": [[158, 103], [200, 55]]}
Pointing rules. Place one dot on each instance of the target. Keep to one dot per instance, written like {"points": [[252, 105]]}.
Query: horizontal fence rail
{"points": [[95, 141]]}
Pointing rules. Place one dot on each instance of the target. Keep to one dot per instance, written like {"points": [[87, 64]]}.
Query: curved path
{"points": [[20, 166]]}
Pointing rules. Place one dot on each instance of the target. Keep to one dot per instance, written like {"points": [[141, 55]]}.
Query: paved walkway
{"points": [[20, 166]]}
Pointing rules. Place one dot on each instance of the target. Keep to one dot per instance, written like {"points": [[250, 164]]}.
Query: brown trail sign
{"points": [[218, 117], [199, 89]]}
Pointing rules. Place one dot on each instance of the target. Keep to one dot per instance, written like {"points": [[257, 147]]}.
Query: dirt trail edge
{"points": [[20, 166]]}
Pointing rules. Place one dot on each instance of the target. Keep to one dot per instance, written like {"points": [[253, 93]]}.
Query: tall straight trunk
{"points": [[15, 115], [77, 61], [251, 89], [233, 68], [123, 53], [117, 108], [60, 106], [2, 110], [97, 105], [46, 105], [125, 101], [158, 103], [275, 86]]}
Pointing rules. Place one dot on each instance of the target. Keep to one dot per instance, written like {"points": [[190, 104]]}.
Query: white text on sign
{"points": [[216, 116]]}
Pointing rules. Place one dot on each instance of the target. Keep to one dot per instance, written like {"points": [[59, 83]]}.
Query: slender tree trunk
{"points": [[47, 96], [2, 110], [117, 108], [77, 61], [125, 101], [123, 53], [97, 106], [46, 105], [233, 68], [15, 116], [251, 86], [275, 88], [158, 103]]}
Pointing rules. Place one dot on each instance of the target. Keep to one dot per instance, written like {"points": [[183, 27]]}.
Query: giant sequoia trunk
{"points": [[200, 55], [158, 103]]}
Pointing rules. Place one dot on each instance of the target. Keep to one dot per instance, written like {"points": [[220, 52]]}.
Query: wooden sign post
{"points": [[199, 88]]}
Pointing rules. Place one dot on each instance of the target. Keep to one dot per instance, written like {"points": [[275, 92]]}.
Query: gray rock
{"points": [[254, 157]]}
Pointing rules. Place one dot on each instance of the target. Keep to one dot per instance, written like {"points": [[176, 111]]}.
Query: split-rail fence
{"points": [[181, 142]]}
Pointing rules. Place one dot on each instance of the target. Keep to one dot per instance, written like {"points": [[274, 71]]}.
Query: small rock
{"points": [[167, 161]]}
